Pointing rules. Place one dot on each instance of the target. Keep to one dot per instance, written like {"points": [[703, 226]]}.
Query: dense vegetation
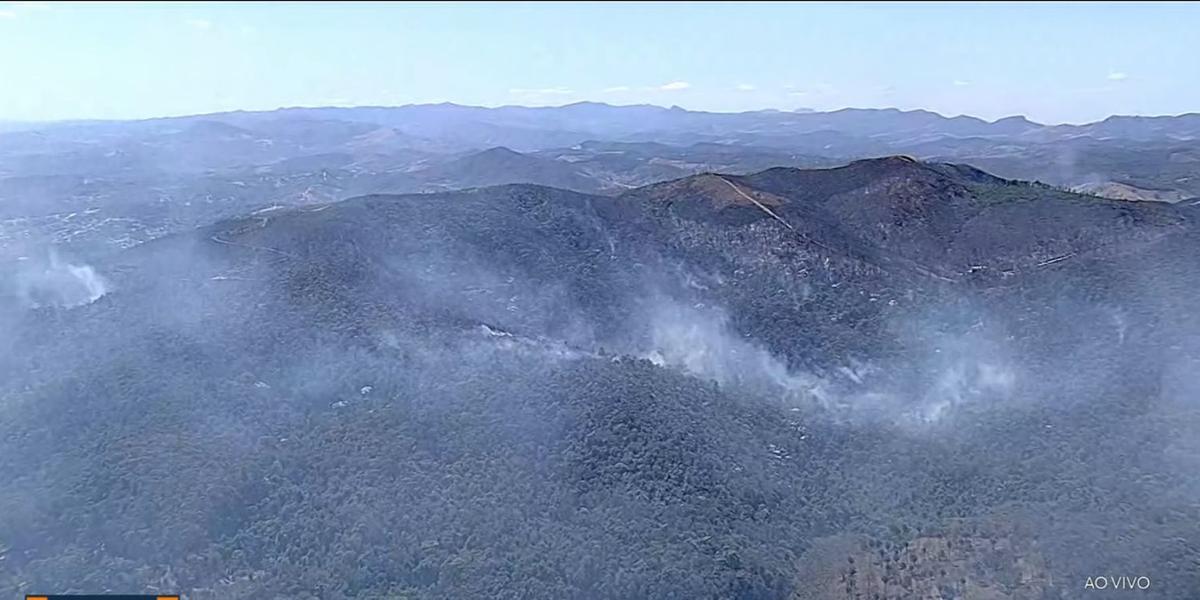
{"points": [[521, 392]]}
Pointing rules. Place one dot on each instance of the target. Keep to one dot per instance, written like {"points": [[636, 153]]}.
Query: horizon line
{"points": [[673, 107]]}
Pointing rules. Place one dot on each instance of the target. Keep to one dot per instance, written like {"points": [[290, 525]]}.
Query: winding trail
{"points": [[218, 240], [262, 224]]}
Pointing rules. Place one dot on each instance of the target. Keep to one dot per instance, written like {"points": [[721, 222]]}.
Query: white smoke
{"points": [[950, 371], [699, 341], [966, 379], [55, 282]]}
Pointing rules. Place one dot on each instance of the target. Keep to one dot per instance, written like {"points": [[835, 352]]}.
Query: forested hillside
{"points": [[892, 379]]}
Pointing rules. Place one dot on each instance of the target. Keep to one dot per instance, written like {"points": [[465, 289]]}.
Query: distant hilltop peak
{"points": [[1014, 124], [1013, 119], [895, 159], [499, 151], [588, 104]]}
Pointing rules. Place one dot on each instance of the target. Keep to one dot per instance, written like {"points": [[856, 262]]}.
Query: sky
{"points": [[1054, 63]]}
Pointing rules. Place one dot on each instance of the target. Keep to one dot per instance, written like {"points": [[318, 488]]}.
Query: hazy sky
{"points": [[1054, 63]]}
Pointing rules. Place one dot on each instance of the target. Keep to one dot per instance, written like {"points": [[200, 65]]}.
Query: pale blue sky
{"points": [[1054, 63]]}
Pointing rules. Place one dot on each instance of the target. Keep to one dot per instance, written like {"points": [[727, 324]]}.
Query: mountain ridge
{"points": [[527, 391], [606, 105]]}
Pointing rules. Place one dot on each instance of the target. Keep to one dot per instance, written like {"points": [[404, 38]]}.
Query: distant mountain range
{"points": [[1017, 146], [591, 119], [532, 128], [96, 184]]}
